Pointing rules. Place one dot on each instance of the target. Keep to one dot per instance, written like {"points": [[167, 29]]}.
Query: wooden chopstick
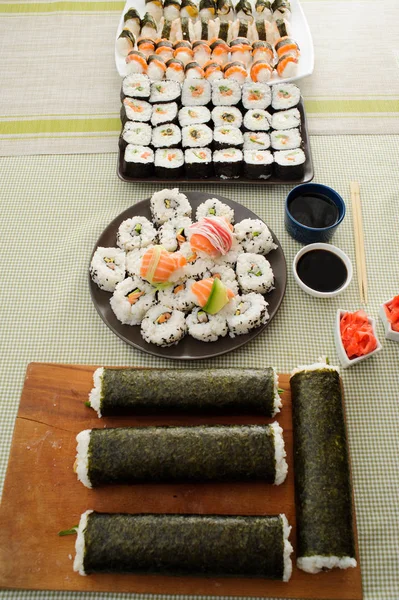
{"points": [[359, 241]]}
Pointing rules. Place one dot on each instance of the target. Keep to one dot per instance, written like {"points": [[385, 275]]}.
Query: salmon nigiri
{"points": [[211, 294], [158, 265], [211, 236]]}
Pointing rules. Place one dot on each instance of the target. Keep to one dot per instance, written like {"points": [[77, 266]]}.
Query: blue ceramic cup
{"points": [[317, 210]]}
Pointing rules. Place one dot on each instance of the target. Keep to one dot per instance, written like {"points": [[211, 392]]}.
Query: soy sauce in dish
{"points": [[314, 210], [322, 270]]}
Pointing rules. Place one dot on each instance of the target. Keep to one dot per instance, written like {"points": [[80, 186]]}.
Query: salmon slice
{"points": [[157, 264], [202, 290]]}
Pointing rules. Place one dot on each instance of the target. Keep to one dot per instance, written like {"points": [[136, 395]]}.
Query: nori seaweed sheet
{"points": [[231, 390], [321, 466], [196, 453], [185, 545]]}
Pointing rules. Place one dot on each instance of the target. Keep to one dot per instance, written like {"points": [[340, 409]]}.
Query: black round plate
{"points": [[188, 348]]}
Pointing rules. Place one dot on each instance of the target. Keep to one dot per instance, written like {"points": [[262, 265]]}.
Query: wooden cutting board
{"points": [[43, 496]]}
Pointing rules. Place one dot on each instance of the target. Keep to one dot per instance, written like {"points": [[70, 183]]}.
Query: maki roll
{"points": [[228, 163], [198, 163], [136, 85], [225, 93], [227, 136], [205, 327], [165, 91], [286, 139], [137, 232], [164, 113], [222, 115], [136, 134], [256, 140], [251, 312], [125, 42], [178, 296], [214, 208], [138, 161], [197, 267], [131, 299], [193, 115], [169, 204], [169, 164], [107, 268], [254, 236], [196, 93], [132, 22], [286, 119], [322, 475], [289, 164], [163, 327], [256, 95], [136, 62], [134, 109], [156, 67], [226, 276], [175, 70], [254, 273], [257, 120], [174, 232], [285, 95], [166, 136], [258, 164], [196, 136]]}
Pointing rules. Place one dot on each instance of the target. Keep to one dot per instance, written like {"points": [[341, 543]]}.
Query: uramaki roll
{"points": [[184, 545], [321, 469], [197, 453], [227, 391]]}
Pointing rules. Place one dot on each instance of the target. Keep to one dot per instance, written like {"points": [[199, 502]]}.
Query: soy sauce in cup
{"points": [[314, 210], [322, 270]]}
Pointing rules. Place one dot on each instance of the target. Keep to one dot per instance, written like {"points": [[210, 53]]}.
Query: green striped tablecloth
{"points": [[60, 88], [55, 207]]}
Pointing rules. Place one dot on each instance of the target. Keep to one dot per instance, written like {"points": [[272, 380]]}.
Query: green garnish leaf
{"points": [[71, 531], [87, 403], [280, 390]]}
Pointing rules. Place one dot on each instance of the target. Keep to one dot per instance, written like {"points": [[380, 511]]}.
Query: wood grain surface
{"points": [[43, 496]]}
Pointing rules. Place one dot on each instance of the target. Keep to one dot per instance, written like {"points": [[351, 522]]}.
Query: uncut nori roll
{"points": [[220, 391], [322, 476], [206, 545], [128, 455]]}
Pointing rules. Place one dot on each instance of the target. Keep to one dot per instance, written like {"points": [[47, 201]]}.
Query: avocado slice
{"points": [[217, 298]]}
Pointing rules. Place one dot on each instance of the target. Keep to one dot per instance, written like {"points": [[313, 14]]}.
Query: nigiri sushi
{"points": [[225, 10], [171, 9], [125, 42], [211, 294], [207, 10], [244, 11], [263, 10], [211, 236], [158, 266], [136, 62], [132, 21], [154, 8], [189, 9], [146, 46], [148, 27]]}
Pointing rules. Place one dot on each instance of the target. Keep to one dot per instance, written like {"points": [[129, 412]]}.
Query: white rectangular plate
{"points": [[300, 33]]}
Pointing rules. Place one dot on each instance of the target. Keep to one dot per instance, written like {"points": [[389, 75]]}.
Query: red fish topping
{"points": [[211, 235]]}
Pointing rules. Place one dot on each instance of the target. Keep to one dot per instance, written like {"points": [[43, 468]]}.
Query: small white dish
{"points": [[390, 334], [334, 250], [342, 355]]}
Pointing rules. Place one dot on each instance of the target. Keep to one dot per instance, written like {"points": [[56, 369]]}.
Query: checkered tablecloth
{"points": [[53, 209]]}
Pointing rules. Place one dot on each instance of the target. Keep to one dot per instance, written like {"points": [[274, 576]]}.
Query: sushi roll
{"points": [[263, 10], [165, 91], [256, 95], [226, 93], [222, 115], [258, 164], [243, 10], [131, 299], [107, 267], [287, 65], [146, 46], [132, 21], [196, 136], [193, 115], [211, 237], [166, 136], [175, 70], [286, 119], [133, 261], [261, 71], [171, 9], [174, 232], [197, 267], [169, 164], [207, 10], [156, 68], [183, 51], [227, 136], [285, 95], [136, 62], [212, 295], [164, 50], [250, 312], [138, 161], [169, 204], [257, 120], [134, 109], [230, 258], [164, 113], [225, 11], [159, 267], [263, 51], [254, 236], [135, 133], [135, 85], [198, 163], [155, 9], [214, 208], [254, 273], [286, 139], [289, 164], [162, 326], [193, 71], [256, 140], [189, 10], [125, 42], [213, 71], [205, 327], [202, 52], [228, 163], [134, 233], [235, 71], [196, 92], [178, 296], [220, 51], [227, 276]]}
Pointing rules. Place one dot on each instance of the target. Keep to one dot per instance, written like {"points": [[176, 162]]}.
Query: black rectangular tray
{"points": [[307, 176]]}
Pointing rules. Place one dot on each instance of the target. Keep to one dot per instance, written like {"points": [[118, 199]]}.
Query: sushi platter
{"points": [[52, 412], [181, 341]]}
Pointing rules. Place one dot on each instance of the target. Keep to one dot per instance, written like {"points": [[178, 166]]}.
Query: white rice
{"points": [[221, 99], [164, 91], [196, 136], [229, 259], [222, 115], [262, 91], [285, 95], [277, 399], [137, 110], [286, 119], [279, 454], [169, 230], [103, 275], [285, 139], [228, 136], [78, 565], [317, 563], [320, 364], [166, 136], [138, 134], [289, 158], [95, 394], [205, 327], [183, 300], [257, 120], [196, 93], [252, 313], [132, 314], [168, 204], [254, 236], [82, 457], [165, 334], [136, 85], [254, 273], [163, 113], [133, 261], [193, 115], [137, 232], [214, 208], [198, 268], [256, 140], [288, 549]]}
